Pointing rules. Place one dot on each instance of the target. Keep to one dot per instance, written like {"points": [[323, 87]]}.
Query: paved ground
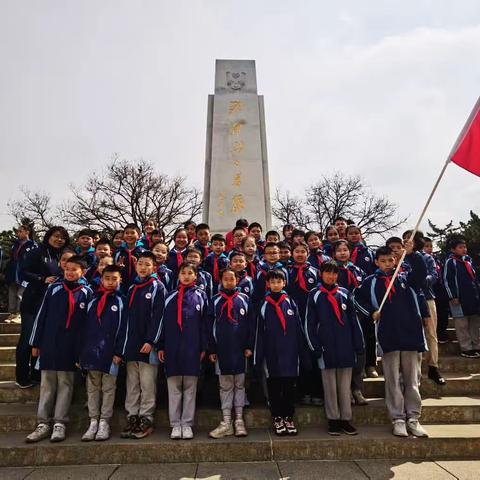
{"points": [[301, 470]]}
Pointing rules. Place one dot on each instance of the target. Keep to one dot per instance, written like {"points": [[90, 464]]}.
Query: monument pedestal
{"points": [[236, 167]]}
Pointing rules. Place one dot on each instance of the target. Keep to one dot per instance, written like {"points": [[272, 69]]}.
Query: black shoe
{"points": [[334, 427], [290, 426], [442, 337], [133, 422], [434, 374], [279, 426], [347, 428], [477, 352], [469, 354], [144, 428], [24, 384]]}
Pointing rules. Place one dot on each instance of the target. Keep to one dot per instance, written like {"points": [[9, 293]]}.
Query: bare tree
{"points": [[334, 196], [127, 192], [34, 209]]}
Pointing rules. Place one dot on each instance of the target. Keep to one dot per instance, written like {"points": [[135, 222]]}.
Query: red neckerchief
{"points": [[333, 302], [179, 257], [102, 301], [278, 310], [229, 306], [206, 251], [215, 268], [320, 258], [136, 286], [467, 265], [354, 255], [129, 260], [386, 281], [252, 268], [71, 302], [300, 278], [181, 291], [351, 278]]}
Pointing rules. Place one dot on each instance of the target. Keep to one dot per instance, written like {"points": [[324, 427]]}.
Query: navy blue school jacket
{"points": [[165, 275], [174, 260], [263, 268], [17, 257], [335, 342], [128, 272], [363, 257], [204, 282], [350, 276], [298, 290], [183, 345], [208, 266], [101, 336], [400, 326], [88, 256], [327, 248], [39, 263], [279, 351], [57, 336], [252, 268], [144, 307], [317, 257], [432, 276], [245, 284], [461, 284], [204, 249], [230, 335]]}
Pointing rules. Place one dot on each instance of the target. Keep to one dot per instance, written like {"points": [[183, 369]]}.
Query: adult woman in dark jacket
{"points": [[39, 269]]}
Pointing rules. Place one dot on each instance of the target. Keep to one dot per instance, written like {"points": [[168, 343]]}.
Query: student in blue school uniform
{"points": [[181, 347], [331, 236], [399, 333], [361, 255], [127, 254], [238, 263], [55, 340], [255, 230], [85, 246], [271, 261], [144, 304], [160, 250], [279, 345], [102, 249], [461, 283], [216, 261], [229, 347], [316, 255], [202, 242], [249, 248], [176, 255], [285, 254], [101, 351], [335, 337], [238, 235], [204, 279]]}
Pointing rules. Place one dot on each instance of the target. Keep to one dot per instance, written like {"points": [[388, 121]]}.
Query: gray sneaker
{"points": [[224, 429], [103, 432], [42, 431], [414, 427], [58, 434], [240, 429], [89, 435], [187, 433], [399, 428]]}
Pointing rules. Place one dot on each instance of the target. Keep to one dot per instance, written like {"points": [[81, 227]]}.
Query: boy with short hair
{"points": [[399, 334], [204, 279], [340, 224], [127, 254], [165, 275], [272, 236], [239, 234], [216, 260], [101, 352], [461, 283], [285, 254], [255, 230], [145, 304], [202, 243], [85, 246], [102, 249], [238, 263], [55, 340]]}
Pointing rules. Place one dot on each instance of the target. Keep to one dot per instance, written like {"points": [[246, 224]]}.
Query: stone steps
{"points": [[10, 328], [452, 410], [446, 441], [7, 354], [9, 339]]}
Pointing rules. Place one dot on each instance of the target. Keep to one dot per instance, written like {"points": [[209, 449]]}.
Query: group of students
{"points": [[303, 311]]}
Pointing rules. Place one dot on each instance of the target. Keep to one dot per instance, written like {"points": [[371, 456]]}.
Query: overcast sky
{"points": [[378, 88]]}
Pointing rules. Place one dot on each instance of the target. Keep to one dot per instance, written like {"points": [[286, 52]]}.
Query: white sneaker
{"points": [[89, 435], [187, 433], [103, 432], [58, 434], [414, 427], [224, 429], [176, 433], [240, 429], [399, 428], [42, 431]]}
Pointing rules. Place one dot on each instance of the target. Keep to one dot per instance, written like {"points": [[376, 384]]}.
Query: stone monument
{"points": [[236, 168]]}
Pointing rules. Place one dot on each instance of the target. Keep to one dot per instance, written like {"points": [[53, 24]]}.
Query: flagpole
{"points": [[414, 231]]}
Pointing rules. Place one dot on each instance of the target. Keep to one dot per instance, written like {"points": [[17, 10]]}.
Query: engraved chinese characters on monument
{"points": [[236, 169]]}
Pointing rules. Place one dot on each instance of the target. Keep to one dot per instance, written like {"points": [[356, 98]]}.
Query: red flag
{"points": [[466, 151]]}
